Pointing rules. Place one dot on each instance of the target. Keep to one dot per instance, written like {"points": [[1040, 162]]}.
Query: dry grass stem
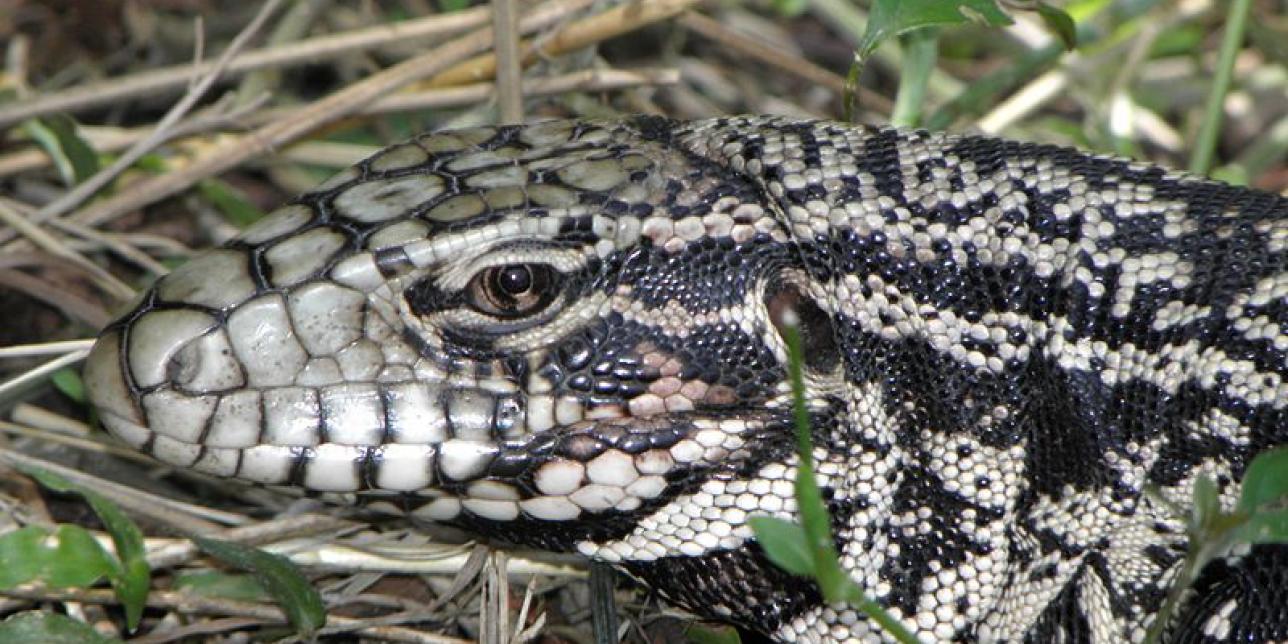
{"points": [[509, 70], [107, 140], [191, 632], [1022, 103], [278, 133], [201, 84], [46, 420], [582, 33], [45, 349], [83, 444], [747, 46], [494, 610], [588, 80], [197, 604], [419, 560], [71, 304], [176, 514], [52, 245], [175, 78], [117, 244], [522, 634], [13, 388], [181, 551]]}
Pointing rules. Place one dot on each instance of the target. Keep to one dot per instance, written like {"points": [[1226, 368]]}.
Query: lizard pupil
{"points": [[515, 279], [512, 290]]}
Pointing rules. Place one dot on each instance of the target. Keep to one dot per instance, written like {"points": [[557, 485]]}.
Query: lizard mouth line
{"points": [[489, 452], [559, 473]]}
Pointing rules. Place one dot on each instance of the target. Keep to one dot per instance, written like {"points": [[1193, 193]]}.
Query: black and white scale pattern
{"points": [[567, 335]]}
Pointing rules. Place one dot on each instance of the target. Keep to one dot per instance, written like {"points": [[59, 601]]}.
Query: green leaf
{"points": [[785, 543], [450, 6], [1180, 40], [1265, 527], [1233, 174], [789, 8], [231, 202], [132, 580], [1266, 481], [131, 588], [281, 578], [77, 558], [75, 160], [68, 556], [709, 634], [49, 628], [1060, 24], [18, 562], [69, 382], [891, 18], [223, 585], [152, 163], [1207, 505]]}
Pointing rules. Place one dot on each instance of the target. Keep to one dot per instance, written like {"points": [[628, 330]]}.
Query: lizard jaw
{"points": [[484, 451]]}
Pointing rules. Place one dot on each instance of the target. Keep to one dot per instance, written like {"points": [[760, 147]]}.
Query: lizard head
{"points": [[546, 332]]}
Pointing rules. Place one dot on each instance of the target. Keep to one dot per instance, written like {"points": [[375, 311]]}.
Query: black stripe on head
{"points": [[426, 297]]}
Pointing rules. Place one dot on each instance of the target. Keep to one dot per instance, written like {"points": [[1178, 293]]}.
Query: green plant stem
{"points": [[1184, 577], [921, 51], [850, 100], [834, 583], [876, 613], [809, 500], [1204, 546], [1205, 145]]}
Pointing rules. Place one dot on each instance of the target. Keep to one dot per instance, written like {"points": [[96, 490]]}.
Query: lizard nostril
{"points": [[153, 340], [205, 364], [184, 366]]}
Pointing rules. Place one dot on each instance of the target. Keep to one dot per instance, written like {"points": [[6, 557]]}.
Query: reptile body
{"points": [[567, 335]]}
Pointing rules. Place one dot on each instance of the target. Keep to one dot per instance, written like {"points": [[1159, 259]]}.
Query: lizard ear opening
{"points": [[818, 338]]}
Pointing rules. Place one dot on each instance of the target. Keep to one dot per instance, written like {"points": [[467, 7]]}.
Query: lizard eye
{"points": [[513, 290]]}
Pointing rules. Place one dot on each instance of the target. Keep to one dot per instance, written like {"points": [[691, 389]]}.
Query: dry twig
{"points": [[108, 140], [582, 33], [282, 131], [197, 604], [182, 516], [172, 79], [509, 93], [57, 248], [747, 46], [162, 131]]}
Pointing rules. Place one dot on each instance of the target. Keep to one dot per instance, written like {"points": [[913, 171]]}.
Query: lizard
{"points": [[569, 335]]}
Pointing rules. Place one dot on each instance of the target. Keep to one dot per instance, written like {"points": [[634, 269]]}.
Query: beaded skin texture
{"points": [[568, 335]]}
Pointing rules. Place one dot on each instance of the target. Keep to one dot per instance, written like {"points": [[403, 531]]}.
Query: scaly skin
{"points": [[568, 335]]}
